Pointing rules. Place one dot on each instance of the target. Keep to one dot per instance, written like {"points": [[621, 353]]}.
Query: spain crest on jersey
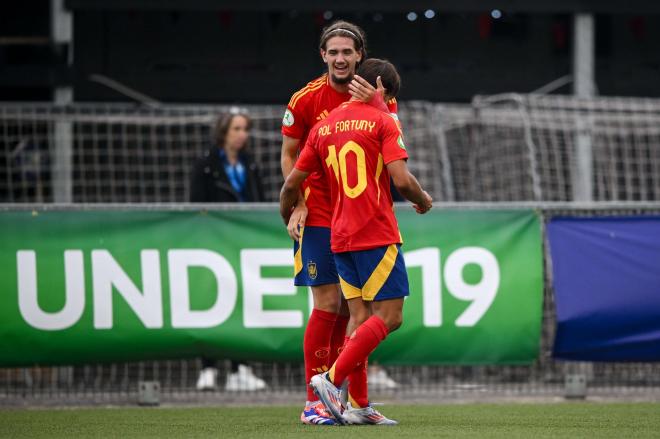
{"points": [[311, 270]]}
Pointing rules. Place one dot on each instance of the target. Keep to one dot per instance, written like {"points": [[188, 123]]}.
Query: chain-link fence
{"points": [[178, 378], [499, 149]]}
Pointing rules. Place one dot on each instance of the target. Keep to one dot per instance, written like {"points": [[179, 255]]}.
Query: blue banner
{"points": [[606, 275]]}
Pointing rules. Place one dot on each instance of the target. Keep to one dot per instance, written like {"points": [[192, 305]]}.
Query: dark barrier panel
{"points": [[606, 274]]}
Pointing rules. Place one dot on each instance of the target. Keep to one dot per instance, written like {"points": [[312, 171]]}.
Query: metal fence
{"points": [[546, 378], [504, 148], [499, 148]]}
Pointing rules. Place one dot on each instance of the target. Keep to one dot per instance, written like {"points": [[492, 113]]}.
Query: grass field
{"points": [[563, 420]]}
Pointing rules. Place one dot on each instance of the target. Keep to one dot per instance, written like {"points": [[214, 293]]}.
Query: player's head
{"points": [[372, 68], [343, 45], [232, 130]]}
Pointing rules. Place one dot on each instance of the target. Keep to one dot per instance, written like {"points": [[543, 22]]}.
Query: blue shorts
{"points": [[374, 274], [313, 261]]}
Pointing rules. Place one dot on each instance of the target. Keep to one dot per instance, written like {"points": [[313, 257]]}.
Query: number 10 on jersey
{"points": [[338, 165]]}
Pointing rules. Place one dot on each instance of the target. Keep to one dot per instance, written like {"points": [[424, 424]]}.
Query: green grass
{"points": [[562, 420]]}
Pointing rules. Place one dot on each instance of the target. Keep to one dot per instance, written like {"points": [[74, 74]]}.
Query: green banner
{"points": [[95, 286]]}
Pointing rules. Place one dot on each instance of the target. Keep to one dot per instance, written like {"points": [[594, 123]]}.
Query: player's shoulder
{"points": [[308, 91], [388, 117], [389, 121]]}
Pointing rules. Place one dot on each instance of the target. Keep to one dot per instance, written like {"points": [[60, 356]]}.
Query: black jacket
{"points": [[210, 184]]}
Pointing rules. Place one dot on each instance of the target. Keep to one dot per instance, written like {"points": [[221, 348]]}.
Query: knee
{"points": [[358, 318], [393, 322], [326, 299], [328, 305]]}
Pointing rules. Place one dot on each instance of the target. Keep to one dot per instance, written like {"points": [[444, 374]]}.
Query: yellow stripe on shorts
{"points": [[350, 292], [380, 274], [297, 258]]}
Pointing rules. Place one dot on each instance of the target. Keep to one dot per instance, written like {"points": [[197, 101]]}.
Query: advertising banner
{"points": [[98, 286]]}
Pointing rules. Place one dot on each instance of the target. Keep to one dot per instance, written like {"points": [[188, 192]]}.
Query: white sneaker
{"points": [[366, 416], [329, 394], [207, 379], [244, 380], [379, 379]]}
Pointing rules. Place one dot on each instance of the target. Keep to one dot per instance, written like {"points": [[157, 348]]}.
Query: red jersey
{"points": [[307, 107], [352, 147]]}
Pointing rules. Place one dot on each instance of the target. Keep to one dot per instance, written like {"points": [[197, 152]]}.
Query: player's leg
{"points": [[354, 355], [325, 389], [374, 275], [387, 286], [340, 330], [384, 281], [358, 394], [315, 269]]}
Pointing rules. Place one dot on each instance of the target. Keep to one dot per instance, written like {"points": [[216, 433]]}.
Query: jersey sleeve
{"points": [[308, 160], [392, 141], [294, 124], [393, 106]]}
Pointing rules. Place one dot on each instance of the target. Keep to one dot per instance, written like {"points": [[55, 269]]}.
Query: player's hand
{"points": [[360, 89], [425, 206], [379, 87], [297, 221]]}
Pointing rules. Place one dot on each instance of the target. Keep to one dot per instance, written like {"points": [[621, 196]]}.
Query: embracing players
{"points": [[357, 148], [343, 47]]}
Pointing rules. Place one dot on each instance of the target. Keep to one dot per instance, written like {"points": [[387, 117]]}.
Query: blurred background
{"points": [[261, 51], [551, 103]]}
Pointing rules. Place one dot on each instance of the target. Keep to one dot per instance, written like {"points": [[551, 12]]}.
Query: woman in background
{"points": [[225, 174]]}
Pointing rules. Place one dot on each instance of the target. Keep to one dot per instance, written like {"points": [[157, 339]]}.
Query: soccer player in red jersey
{"points": [[342, 48], [358, 147]]}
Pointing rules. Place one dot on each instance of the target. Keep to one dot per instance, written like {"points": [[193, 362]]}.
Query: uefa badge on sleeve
{"points": [[288, 119], [400, 142]]}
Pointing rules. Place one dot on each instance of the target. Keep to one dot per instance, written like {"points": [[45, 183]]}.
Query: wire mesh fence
{"points": [[178, 378], [498, 149]]}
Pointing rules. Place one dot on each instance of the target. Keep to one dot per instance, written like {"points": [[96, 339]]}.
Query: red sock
{"points": [[339, 338], [358, 391], [366, 338], [316, 346]]}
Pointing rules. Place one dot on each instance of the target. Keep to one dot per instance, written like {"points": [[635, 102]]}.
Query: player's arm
{"points": [[307, 162], [408, 186], [395, 155], [287, 162], [290, 193], [288, 154]]}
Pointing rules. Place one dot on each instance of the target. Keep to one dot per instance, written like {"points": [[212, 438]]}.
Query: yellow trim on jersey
{"points": [[297, 258], [309, 85], [301, 91], [313, 83], [307, 192], [350, 292], [379, 170], [312, 86], [295, 100], [380, 274]]}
